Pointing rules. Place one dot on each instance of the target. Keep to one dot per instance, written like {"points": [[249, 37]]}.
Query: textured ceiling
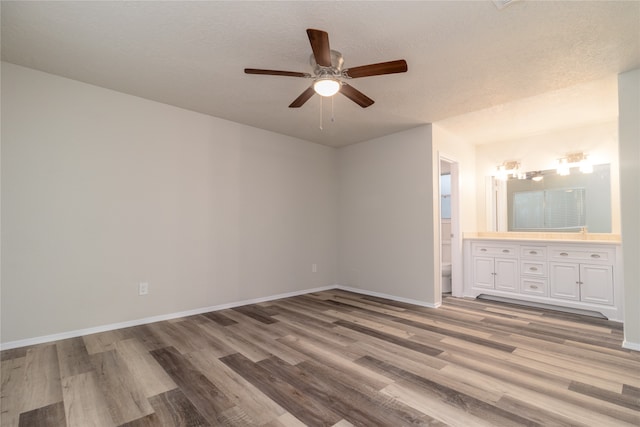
{"points": [[462, 56], [575, 106]]}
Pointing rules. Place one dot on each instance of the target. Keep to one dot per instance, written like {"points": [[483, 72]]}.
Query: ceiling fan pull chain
{"points": [[321, 113], [333, 119]]}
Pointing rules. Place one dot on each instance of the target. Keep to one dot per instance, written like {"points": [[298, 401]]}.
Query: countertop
{"points": [[547, 237]]}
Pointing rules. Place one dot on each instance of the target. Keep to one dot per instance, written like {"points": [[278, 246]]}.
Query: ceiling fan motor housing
{"points": [[336, 66]]}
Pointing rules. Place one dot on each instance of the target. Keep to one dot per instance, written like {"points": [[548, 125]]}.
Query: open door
{"points": [[450, 234]]}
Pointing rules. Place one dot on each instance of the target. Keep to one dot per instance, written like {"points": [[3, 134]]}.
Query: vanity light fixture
{"points": [[512, 168], [537, 176], [586, 166], [578, 160], [563, 167]]}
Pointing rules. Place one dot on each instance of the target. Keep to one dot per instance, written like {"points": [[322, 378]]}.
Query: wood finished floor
{"points": [[333, 358]]}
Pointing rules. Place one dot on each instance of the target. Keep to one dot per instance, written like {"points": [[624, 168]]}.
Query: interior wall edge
{"points": [[629, 152]]}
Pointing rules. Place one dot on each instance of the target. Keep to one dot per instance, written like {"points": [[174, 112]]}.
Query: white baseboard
{"points": [[104, 328], [387, 296], [631, 345], [110, 327]]}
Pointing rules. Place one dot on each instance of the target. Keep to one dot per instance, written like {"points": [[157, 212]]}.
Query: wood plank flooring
{"points": [[333, 358]]}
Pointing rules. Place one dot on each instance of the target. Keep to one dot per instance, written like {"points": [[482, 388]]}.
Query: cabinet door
{"points": [[564, 281], [597, 284], [506, 277], [483, 272]]}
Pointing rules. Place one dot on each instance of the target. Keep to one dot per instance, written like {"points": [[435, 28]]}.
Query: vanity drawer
{"points": [[533, 268], [533, 252], [502, 251], [592, 255], [536, 287]]}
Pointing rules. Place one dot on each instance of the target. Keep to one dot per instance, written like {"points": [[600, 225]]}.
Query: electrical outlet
{"points": [[143, 288], [314, 268]]}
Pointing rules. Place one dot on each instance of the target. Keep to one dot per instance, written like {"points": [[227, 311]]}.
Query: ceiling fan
{"points": [[328, 75]]}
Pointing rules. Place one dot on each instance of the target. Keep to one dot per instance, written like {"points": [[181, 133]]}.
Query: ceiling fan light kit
{"points": [[328, 75], [326, 87]]}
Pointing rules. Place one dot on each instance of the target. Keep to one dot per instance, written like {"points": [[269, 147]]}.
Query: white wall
{"points": [[386, 216], [102, 190], [541, 151], [629, 122]]}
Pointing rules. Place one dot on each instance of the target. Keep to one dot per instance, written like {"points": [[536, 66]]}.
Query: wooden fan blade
{"points": [[355, 95], [304, 97], [276, 72], [391, 67], [320, 45]]}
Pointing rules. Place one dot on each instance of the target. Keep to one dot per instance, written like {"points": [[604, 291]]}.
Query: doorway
{"points": [[450, 241]]}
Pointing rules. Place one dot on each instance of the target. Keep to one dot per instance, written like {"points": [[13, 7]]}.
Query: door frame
{"points": [[456, 235]]}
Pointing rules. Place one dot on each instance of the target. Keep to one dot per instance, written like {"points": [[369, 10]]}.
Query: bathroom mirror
{"points": [[556, 203]]}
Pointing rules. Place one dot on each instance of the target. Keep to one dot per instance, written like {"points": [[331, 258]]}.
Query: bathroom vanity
{"points": [[583, 274]]}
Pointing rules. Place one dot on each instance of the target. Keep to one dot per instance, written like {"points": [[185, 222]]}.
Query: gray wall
{"points": [[629, 98], [102, 190], [386, 215]]}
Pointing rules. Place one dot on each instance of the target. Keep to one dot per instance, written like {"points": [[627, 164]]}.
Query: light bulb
{"points": [[563, 168], [586, 167], [326, 87]]}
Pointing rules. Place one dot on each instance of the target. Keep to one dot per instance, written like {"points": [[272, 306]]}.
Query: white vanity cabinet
{"points": [[582, 282], [533, 268], [495, 267], [584, 274], [576, 275], [495, 273]]}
